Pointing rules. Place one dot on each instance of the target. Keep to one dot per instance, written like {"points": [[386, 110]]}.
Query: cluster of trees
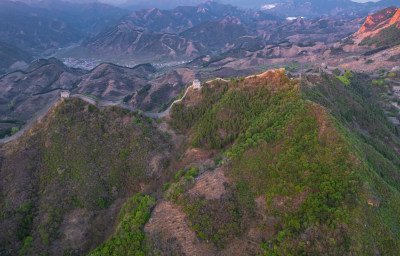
{"points": [[129, 238], [11, 130], [346, 77]]}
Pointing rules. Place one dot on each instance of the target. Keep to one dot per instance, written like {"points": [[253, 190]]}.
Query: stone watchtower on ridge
{"points": [[65, 94], [197, 84]]}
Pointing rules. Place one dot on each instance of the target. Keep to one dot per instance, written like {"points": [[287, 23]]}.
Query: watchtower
{"points": [[196, 84], [65, 94]]}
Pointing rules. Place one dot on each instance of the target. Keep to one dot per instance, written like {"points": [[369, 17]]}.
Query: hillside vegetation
{"points": [[322, 194], [129, 239], [64, 182], [263, 165]]}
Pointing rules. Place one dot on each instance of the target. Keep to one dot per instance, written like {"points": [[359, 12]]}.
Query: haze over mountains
{"points": [[83, 30]]}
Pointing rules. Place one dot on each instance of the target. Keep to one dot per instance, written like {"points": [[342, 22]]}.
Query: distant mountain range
{"points": [[182, 18], [125, 41], [53, 24], [43, 28], [210, 28], [315, 8]]}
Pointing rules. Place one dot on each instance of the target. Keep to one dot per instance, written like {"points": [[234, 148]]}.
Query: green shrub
{"points": [[129, 238], [347, 76], [192, 173], [92, 108], [179, 174], [14, 130], [369, 62], [26, 248], [25, 215], [218, 160], [175, 190], [102, 203]]}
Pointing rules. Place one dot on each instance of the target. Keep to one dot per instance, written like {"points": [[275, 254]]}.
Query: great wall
{"points": [[99, 103]]}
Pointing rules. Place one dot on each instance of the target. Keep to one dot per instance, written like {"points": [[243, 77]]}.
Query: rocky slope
{"points": [[306, 45], [377, 41], [177, 20], [112, 82], [377, 23], [185, 17], [155, 35], [126, 41], [219, 35], [25, 93], [277, 43], [12, 57]]}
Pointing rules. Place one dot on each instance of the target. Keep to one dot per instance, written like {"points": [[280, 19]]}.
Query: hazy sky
{"points": [[138, 1], [167, 4]]}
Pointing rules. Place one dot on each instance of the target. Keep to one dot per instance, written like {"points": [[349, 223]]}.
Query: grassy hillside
{"points": [[357, 107], [321, 194], [63, 184], [375, 140]]}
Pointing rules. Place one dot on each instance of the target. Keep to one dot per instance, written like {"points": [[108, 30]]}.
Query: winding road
{"points": [[100, 103]]}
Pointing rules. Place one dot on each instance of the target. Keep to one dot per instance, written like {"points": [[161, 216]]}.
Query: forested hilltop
{"points": [[263, 165]]}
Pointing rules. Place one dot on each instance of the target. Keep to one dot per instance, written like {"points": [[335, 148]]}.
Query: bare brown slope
{"points": [[22, 94], [377, 22], [126, 40], [395, 19], [374, 20], [111, 82]]}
